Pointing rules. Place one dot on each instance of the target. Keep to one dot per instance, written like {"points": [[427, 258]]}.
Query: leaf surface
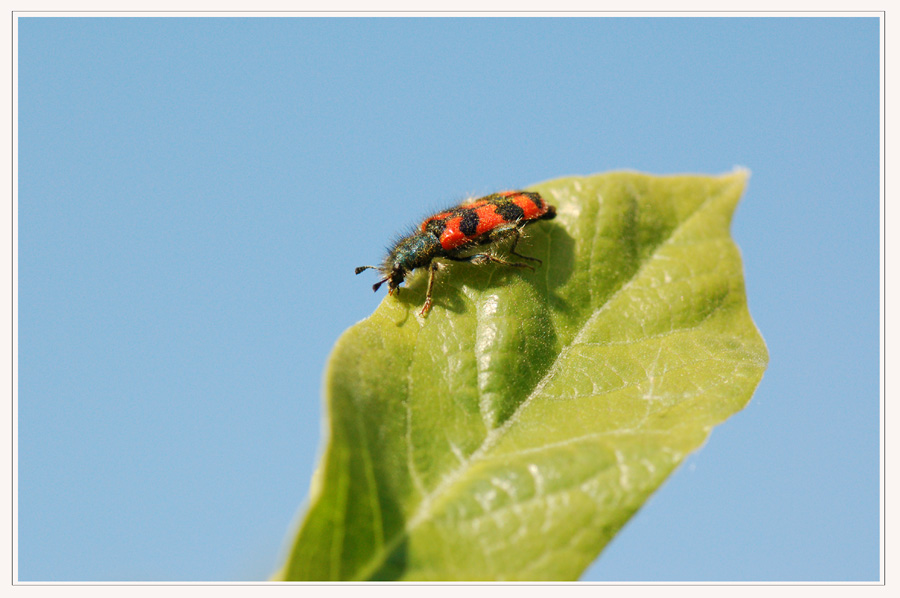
{"points": [[511, 433]]}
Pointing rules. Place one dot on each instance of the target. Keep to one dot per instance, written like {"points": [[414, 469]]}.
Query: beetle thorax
{"points": [[414, 251]]}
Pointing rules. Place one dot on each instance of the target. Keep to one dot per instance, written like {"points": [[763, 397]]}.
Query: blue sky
{"points": [[194, 194]]}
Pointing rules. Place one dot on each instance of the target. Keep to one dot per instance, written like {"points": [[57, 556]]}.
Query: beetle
{"points": [[453, 233]]}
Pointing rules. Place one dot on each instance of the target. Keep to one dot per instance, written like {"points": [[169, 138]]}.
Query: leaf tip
{"points": [[741, 173]]}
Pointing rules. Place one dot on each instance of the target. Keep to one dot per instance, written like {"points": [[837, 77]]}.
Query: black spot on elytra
{"points": [[535, 199], [469, 223], [510, 211], [436, 227]]}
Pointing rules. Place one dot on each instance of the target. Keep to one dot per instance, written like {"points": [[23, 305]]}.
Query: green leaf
{"points": [[513, 431]]}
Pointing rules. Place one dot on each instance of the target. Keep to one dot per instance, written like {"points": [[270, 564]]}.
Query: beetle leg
{"points": [[431, 271], [515, 242], [484, 258]]}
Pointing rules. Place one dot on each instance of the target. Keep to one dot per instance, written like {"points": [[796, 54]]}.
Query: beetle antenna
{"points": [[361, 268]]}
